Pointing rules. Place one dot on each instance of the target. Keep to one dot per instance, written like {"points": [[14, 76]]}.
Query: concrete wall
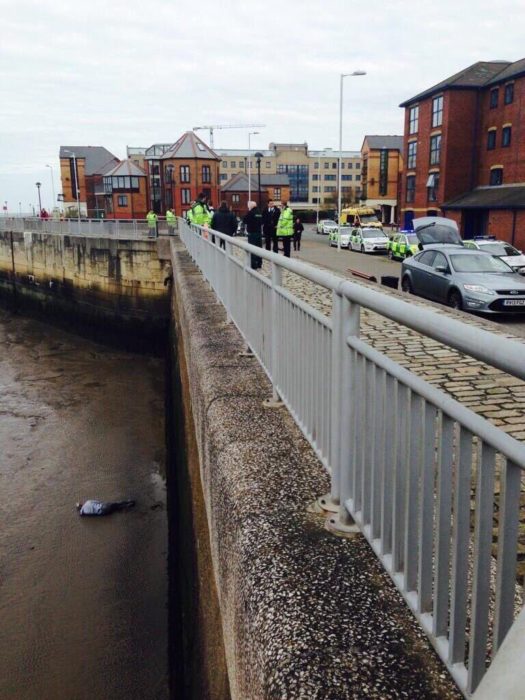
{"points": [[102, 282]]}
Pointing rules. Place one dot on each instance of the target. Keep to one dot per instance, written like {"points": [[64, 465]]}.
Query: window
{"points": [[412, 154], [233, 164], [432, 186], [491, 140], [277, 193], [350, 166], [315, 188], [358, 177], [223, 177], [122, 200], [241, 164], [413, 120], [506, 136], [411, 188], [330, 177], [347, 177], [342, 166], [437, 111], [235, 198], [316, 166], [315, 177], [427, 257], [358, 166], [509, 94], [334, 166], [326, 166], [329, 189], [184, 173], [315, 200], [440, 261], [435, 149], [494, 98], [268, 164], [496, 176], [185, 195], [206, 173], [134, 183]]}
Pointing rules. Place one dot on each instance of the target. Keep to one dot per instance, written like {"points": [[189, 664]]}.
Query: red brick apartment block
{"points": [[464, 151]]}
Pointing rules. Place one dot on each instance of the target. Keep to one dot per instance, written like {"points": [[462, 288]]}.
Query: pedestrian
{"points": [[224, 221], [253, 223], [298, 229], [152, 220], [285, 228], [44, 214], [93, 507], [171, 220], [270, 220], [199, 213]]}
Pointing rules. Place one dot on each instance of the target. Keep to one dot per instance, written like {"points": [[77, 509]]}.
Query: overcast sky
{"points": [[113, 73]]}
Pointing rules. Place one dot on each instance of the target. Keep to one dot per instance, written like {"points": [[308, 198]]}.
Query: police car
{"points": [[402, 245], [344, 233], [369, 240], [501, 249]]}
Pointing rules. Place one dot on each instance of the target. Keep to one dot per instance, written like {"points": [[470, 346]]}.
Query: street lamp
{"points": [[38, 186], [319, 192], [343, 75], [251, 133], [75, 170], [52, 185], [259, 156]]}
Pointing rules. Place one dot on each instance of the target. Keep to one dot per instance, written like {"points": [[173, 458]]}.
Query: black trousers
{"points": [[255, 239], [271, 241], [287, 240], [297, 241]]}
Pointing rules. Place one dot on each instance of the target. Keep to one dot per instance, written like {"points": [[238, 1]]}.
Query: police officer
{"points": [[199, 213], [253, 223], [285, 228], [171, 220], [152, 220]]}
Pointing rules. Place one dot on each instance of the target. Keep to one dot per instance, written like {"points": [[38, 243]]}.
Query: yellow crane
{"points": [[226, 126]]}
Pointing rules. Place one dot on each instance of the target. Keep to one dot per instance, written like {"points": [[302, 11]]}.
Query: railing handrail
{"points": [[403, 455]]}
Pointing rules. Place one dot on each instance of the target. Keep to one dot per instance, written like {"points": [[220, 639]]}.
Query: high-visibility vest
{"points": [[170, 218], [200, 214], [151, 218], [285, 224]]}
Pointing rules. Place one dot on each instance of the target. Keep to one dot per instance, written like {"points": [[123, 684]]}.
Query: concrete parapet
{"points": [[304, 614]]}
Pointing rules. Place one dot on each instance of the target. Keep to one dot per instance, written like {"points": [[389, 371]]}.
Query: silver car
{"points": [[464, 279], [507, 252]]}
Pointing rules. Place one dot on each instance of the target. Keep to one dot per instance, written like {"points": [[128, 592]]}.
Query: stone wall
{"points": [[119, 284]]}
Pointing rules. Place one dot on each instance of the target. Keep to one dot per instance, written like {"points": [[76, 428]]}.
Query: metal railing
{"points": [[103, 228], [405, 459]]}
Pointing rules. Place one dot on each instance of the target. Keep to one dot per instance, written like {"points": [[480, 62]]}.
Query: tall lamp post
{"points": [[259, 156], [342, 77], [52, 185], [319, 192], [252, 133], [75, 170], [38, 186]]}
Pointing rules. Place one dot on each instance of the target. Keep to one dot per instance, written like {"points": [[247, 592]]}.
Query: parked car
{"points": [[369, 240], [464, 279], [402, 245], [428, 230], [507, 252], [326, 226], [345, 234]]}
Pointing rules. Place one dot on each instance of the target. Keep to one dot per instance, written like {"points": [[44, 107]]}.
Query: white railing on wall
{"points": [[405, 459], [103, 228]]}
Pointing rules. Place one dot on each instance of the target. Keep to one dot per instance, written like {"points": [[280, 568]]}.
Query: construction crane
{"points": [[226, 126]]}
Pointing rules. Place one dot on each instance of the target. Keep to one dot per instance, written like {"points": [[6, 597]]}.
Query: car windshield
{"points": [[329, 222], [377, 233], [499, 249], [412, 239], [369, 219], [478, 263]]}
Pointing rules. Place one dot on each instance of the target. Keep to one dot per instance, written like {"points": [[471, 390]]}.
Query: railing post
{"points": [[277, 281], [246, 278], [345, 374]]}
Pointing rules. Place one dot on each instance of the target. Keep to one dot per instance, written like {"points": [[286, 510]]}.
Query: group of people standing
{"points": [[275, 224]]}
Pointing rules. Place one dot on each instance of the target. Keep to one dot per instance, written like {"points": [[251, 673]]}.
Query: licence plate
{"points": [[514, 302]]}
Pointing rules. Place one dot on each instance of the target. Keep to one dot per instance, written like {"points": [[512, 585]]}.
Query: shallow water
{"points": [[83, 601]]}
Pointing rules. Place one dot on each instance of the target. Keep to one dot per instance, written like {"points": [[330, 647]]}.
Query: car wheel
{"points": [[406, 285], [362, 248], [455, 300], [390, 254]]}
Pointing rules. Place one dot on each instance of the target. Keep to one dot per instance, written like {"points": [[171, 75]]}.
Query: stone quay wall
{"points": [[105, 282]]}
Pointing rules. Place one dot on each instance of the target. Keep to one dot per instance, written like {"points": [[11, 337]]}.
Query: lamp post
{"points": [[259, 156], [38, 186], [319, 191], [52, 185], [342, 77], [75, 170], [20, 208], [251, 133]]}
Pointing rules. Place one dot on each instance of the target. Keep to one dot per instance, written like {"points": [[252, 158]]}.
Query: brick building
{"points": [[91, 163], [464, 151], [126, 192], [382, 164], [236, 191]]}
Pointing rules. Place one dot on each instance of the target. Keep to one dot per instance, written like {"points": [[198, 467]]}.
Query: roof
{"points": [[496, 197], [474, 77], [126, 167], [98, 159], [239, 182], [392, 143], [514, 70], [190, 146], [242, 152]]}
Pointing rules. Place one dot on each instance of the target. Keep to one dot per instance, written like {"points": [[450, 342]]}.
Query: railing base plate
{"points": [[271, 403], [337, 527], [245, 353], [327, 503]]}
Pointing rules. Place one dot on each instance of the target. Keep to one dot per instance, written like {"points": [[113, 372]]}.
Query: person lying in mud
{"points": [[93, 507]]}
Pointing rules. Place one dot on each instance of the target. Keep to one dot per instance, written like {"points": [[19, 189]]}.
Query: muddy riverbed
{"points": [[83, 601]]}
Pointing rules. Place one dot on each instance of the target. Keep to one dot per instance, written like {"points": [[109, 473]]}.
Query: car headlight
{"points": [[479, 288]]}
